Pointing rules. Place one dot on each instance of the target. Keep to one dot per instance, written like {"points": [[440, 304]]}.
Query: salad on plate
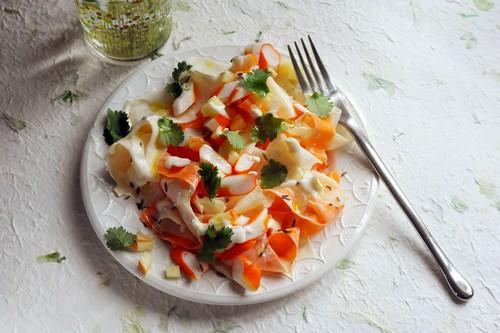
{"points": [[230, 165]]}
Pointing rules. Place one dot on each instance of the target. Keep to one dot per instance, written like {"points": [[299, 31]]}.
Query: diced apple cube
{"points": [[145, 262], [213, 107], [172, 272], [142, 243]]}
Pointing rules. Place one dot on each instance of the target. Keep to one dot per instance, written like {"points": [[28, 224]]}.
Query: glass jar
{"points": [[125, 29]]}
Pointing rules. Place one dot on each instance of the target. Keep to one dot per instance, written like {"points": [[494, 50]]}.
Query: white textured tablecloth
{"points": [[426, 75]]}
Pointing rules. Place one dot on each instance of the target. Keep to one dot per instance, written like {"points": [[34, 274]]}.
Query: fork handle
{"points": [[457, 283]]}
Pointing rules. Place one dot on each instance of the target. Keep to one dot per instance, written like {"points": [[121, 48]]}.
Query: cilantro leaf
{"points": [[175, 89], [51, 257], [170, 132], [273, 174], [235, 139], [116, 126], [181, 75], [214, 241], [211, 180], [256, 82], [267, 127], [319, 104], [182, 72], [118, 238]]}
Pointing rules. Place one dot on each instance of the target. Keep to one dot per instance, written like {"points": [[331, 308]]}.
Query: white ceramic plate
{"points": [[106, 210]]}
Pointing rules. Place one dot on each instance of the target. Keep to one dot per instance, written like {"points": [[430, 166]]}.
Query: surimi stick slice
{"points": [[269, 57]]}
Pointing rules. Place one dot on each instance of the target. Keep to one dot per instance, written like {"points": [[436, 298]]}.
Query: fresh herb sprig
{"points": [[181, 75], [255, 81], [170, 132], [211, 179], [267, 127], [319, 104], [116, 126], [214, 241], [273, 174], [118, 238]]}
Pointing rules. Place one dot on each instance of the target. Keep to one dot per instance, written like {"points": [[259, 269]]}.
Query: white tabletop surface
{"points": [[426, 75]]}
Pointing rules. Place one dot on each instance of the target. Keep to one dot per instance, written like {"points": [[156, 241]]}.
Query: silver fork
{"points": [[315, 81]]}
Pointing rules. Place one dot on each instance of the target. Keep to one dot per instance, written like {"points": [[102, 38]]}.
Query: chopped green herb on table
{"points": [[54, 257]]}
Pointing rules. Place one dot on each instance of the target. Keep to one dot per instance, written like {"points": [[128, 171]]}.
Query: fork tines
{"points": [[312, 81]]}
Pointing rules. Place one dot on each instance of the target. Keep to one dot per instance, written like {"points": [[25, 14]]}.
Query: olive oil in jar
{"points": [[125, 29]]}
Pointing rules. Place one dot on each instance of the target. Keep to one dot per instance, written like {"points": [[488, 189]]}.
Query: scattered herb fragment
{"points": [[170, 132], [259, 36], [375, 83], [304, 313], [178, 44], [273, 174], [14, 123], [214, 241], [105, 279], [51, 257], [211, 179], [319, 104], [116, 127], [12, 11], [69, 96], [118, 238], [465, 15], [283, 4], [345, 264], [459, 205]]}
